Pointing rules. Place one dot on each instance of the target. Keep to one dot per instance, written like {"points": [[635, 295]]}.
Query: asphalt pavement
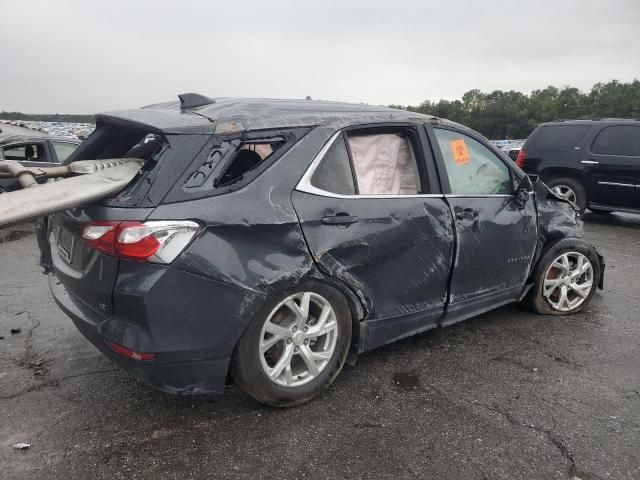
{"points": [[507, 395]]}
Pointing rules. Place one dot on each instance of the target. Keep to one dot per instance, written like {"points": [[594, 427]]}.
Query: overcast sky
{"points": [[88, 56]]}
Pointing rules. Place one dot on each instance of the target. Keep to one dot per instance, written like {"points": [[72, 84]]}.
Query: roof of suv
{"points": [[227, 115]]}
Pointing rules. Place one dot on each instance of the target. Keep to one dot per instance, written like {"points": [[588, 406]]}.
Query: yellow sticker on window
{"points": [[460, 152]]}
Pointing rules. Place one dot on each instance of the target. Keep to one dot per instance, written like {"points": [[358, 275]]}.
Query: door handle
{"points": [[341, 218], [467, 214], [589, 162]]}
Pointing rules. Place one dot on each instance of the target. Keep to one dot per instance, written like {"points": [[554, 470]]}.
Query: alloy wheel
{"points": [[565, 192], [298, 339], [568, 281]]}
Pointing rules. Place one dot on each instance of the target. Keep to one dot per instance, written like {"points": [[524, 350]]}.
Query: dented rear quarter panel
{"points": [[250, 239]]}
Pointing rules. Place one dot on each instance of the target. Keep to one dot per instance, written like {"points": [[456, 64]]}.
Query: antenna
{"points": [[192, 100]]}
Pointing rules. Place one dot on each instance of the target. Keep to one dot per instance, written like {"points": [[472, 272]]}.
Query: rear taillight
{"points": [[520, 158], [127, 352], [158, 242]]}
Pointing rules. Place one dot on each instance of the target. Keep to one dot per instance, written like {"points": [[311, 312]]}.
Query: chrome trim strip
{"points": [[475, 195], [589, 162], [323, 193], [614, 184]]}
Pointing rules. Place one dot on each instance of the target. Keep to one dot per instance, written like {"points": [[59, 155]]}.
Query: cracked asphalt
{"points": [[506, 395]]}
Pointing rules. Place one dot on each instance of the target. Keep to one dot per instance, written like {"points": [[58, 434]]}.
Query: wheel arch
{"points": [[551, 173], [559, 243], [356, 306], [358, 309]]}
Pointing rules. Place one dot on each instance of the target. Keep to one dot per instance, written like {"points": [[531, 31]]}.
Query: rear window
{"points": [[622, 140], [166, 156], [558, 138]]}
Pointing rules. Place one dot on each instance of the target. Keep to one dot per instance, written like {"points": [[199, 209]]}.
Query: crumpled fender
{"points": [[558, 218]]}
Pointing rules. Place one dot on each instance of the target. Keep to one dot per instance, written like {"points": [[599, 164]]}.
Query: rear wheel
{"points": [[570, 189], [565, 278], [294, 347]]}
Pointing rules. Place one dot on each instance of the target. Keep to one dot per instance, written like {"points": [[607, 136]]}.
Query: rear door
{"points": [[495, 237], [374, 220], [613, 166]]}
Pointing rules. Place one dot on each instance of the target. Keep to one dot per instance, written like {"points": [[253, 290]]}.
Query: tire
{"points": [[564, 185], [573, 248], [260, 374]]}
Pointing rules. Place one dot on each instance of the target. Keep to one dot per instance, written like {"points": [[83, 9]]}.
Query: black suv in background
{"points": [[594, 163]]}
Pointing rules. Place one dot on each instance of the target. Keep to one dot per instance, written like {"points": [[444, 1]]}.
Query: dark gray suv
{"points": [[268, 241]]}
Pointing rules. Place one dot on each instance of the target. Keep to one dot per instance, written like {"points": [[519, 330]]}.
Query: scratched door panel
{"points": [[397, 255], [496, 243]]}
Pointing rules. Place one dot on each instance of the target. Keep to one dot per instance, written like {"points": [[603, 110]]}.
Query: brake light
{"points": [[127, 352], [101, 236], [520, 158], [155, 241]]}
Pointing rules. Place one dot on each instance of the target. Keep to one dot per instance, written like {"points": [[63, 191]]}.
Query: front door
{"points": [[496, 238], [613, 167], [372, 222]]}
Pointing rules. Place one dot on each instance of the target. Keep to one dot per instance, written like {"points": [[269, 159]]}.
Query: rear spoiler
{"points": [[68, 186]]}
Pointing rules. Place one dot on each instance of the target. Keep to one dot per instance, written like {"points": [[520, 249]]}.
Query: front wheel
{"points": [[294, 347], [565, 278]]}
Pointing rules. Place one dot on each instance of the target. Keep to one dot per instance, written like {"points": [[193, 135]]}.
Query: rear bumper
{"points": [[184, 372]]}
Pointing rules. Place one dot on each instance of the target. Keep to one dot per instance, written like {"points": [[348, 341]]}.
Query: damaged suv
{"points": [[268, 241]]}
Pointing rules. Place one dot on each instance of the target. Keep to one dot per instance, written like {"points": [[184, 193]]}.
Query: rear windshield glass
{"points": [[559, 138], [165, 156]]}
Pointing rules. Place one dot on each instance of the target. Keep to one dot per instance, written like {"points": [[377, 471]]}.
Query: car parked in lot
{"points": [[513, 149], [269, 241], [43, 151], [593, 163]]}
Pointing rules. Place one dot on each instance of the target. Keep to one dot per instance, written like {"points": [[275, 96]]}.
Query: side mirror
{"points": [[524, 191]]}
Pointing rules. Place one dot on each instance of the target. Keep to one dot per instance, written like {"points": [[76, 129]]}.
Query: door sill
{"points": [[462, 310], [613, 208]]}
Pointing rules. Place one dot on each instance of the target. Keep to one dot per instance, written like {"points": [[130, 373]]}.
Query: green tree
{"points": [[513, 114]]}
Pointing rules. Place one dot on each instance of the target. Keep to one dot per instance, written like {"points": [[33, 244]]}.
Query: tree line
{"points": [[48, 117], [513, 114]]}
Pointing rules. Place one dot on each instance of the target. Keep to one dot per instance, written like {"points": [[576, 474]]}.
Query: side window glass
{"points": [[15, 153], [384, 164], [334, 172], [250, 156], [25, 153], [63, 150], [623, 140], [471, 167]]}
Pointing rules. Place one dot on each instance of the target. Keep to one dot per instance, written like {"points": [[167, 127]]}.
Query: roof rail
{"points": [[192, 100], [578, 119]]}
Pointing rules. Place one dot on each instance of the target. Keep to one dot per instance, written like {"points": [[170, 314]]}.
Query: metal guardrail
{"points": [[65, 186]]}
